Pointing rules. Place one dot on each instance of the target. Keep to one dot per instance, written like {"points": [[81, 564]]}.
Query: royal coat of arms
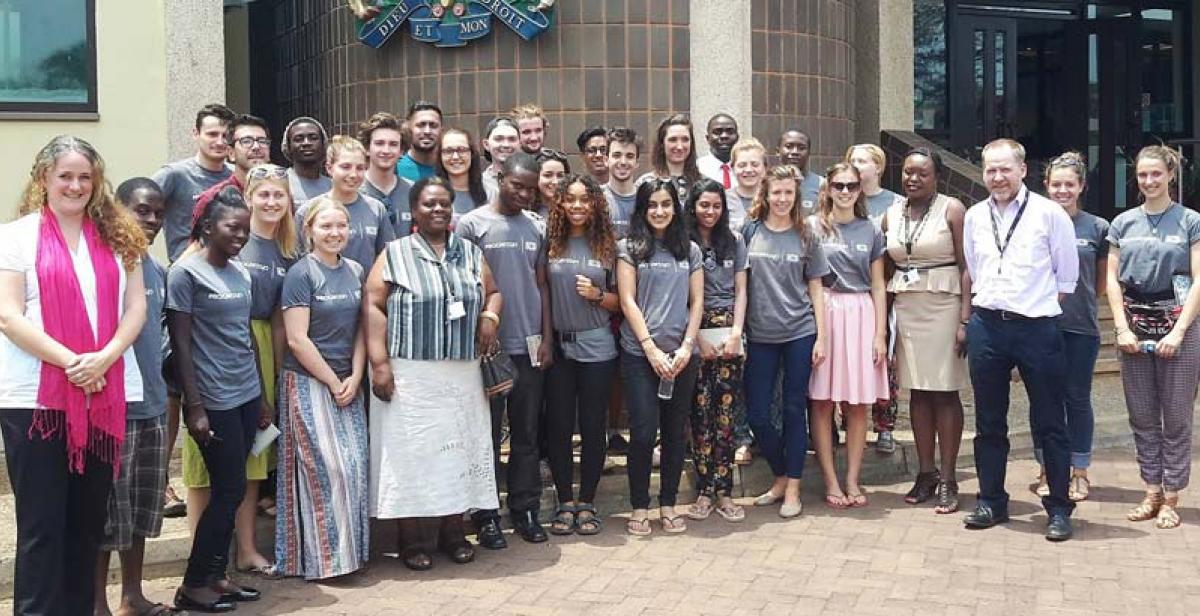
{"points": [[448, 23]]}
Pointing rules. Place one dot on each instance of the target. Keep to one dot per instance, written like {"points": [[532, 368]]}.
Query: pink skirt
{"points": [[849, 374]]}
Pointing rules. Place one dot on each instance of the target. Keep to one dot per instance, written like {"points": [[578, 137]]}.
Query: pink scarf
{"points": [[94, 423]]}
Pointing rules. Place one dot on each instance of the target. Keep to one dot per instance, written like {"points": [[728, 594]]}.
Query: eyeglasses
{"points": [[597, 151], [262, 172], [844, 186], [249, 142], [452, 152]]}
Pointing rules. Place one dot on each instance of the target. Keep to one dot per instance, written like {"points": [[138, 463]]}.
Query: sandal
{"points": [[589, 524], [857, 499], [1080, 488], [1168, 517], [266, 572], [701, 509], [836, 501], [742, 455], [173, 506], [639, 527], [923, 488], [673, 524], [1041, 487], [160, 609], [1147, 509], [416, 559], [564, 520], [947, 497], [731, 512]]}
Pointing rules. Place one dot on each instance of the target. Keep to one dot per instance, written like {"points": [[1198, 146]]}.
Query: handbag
{"points": [[499, 374], [1151, 319]]}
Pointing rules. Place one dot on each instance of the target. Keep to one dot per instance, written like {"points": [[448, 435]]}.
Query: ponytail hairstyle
{"points": [[1071, 160], [825, 200], [1170, 159]]}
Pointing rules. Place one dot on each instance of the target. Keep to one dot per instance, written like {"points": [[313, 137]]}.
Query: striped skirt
{"points": [[321, 525]]}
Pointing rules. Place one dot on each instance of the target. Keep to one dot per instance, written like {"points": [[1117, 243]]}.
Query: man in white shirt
{"points": [[1021, 258], [721, 134]]}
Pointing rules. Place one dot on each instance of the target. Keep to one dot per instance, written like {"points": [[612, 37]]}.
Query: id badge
{"points": [[912, 276], [455, 310]]}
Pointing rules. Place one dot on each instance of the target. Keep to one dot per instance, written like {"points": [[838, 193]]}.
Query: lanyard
{"points": [[911, 235], [1000, 248]]}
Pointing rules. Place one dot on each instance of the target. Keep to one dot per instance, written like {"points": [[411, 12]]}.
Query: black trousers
{"points": [[577, 390], [650, 416], [226, 463], [60, 521], [523, 405]]}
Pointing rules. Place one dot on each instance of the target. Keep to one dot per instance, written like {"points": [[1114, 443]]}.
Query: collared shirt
{"points": [[712, 168], [1038, 262], [422, 289]]}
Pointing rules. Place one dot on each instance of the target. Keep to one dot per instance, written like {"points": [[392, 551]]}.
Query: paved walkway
{"points": [[889, 558]]}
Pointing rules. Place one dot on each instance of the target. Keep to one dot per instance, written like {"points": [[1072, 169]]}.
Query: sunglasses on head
{"points": [[844, 186], [262, 172]]}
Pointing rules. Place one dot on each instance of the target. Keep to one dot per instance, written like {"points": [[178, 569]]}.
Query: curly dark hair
{"points": [[724, 244], [601, 237], [641, 236]]}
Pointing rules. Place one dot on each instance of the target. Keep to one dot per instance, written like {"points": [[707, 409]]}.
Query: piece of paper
{"points": [[263, 439]]}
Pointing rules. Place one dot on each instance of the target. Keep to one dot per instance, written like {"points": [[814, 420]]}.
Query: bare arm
{"points": [[545, 353], [695, 313], [493, 302], [278, 339], [955, 215], [1126, 340], [15, 326], [733, 345], [179, 324], [1169, 345], [816, 291], [627, 290], [374, 321], [295, 323], [879, 299]]}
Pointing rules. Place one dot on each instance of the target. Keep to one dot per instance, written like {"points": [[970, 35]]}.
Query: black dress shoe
{"points": [[490, 536], [984, 517], [526, 524], [188, 604], [1059, 528], [233, 592]]}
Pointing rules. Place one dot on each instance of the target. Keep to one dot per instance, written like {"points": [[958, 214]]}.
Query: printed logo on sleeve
{"points": [[861, 247], [728, 263], [1173, 239], [405, 216], [370, 230], [531, 246], [594, 263], [792, 257]]}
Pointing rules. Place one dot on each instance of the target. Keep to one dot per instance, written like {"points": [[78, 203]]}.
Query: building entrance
{"points": [[1103, 78]]}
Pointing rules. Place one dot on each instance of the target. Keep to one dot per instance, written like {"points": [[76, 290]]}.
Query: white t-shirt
{"points": [[20, 372]]}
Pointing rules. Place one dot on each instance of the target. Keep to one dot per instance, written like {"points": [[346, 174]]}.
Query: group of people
{"points": [[321, 328]]}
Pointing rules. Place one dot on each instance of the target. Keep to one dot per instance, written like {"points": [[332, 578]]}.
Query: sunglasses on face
{"points": [[844, 186]]}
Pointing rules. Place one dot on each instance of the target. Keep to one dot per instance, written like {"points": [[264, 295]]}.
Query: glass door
{"points": [[1114, 109], [984, 58]]}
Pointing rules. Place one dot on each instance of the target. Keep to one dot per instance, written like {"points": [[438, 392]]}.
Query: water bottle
{"points": [[1145, 346], [666, 387]]}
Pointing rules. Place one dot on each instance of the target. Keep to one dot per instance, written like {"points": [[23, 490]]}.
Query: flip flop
{"points": [[160, 609], [673, 524], [836, 501], [639, 527]]}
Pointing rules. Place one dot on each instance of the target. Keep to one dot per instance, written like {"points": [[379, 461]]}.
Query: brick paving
{"points": [[889, 558]]}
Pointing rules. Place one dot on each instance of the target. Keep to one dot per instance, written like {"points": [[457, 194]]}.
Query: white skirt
{"points": [[431, 446]]}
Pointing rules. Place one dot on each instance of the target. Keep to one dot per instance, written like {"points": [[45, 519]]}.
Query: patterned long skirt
{"points": [[717, 408], [321, 525]]}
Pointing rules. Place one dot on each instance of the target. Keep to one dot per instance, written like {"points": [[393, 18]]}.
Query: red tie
{"points": [[725, 179]]}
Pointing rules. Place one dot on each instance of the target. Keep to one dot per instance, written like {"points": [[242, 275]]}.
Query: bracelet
{"points": [[645, 340], [690, 341], [491, 316], [599, 298]]}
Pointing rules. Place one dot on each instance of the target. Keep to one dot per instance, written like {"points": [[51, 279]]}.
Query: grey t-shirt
{"points": [[463, 203], [849, 251], [573, 313], [219, 301], [878, 204], [333, 296], [370, 230], [1150, 254], [719, 288], [779, 308], [662, 295], [267, 267], [620, 210], [810, 192], [739, 208], [1079, 315], [513, 246], [395, 203], [182, 182], [303, 188], [148, 347]]}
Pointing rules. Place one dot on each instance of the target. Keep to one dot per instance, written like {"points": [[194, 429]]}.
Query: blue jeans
{"points": [[784, 451], [1035, 348], [1081, 351]]}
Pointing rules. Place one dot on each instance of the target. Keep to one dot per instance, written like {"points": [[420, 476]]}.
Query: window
{"points": [[48, 56], [929, 46]]}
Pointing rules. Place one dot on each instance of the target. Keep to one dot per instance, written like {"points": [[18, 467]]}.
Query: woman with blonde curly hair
{"points": [[72, 301], [583, 298]]}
